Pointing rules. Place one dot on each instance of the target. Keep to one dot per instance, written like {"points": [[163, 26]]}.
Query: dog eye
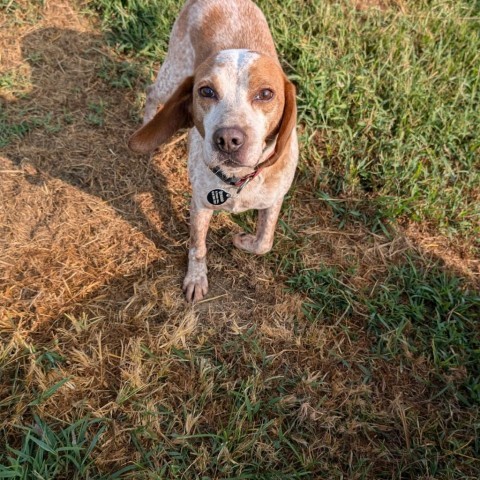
{"points": [[264, 95], [207, 92]]}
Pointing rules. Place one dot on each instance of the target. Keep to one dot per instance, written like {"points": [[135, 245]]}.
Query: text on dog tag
{"points": [[217, 197]]}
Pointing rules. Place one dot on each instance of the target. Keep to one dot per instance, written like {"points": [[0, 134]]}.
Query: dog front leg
{"points": [[195, 284], [262, 242]]}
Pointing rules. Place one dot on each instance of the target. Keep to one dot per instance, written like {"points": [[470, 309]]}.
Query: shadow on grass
{"points": [[74, 123]]}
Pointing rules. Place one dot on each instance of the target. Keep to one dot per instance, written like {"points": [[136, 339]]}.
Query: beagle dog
{"points": [[222, 78]]}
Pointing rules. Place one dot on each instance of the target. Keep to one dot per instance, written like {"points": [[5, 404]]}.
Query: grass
{"points": [[12, 131], [350, 351], [138, 27], [414, 311], [97, 111], [40, 443], [61, 453], [14, 82]]}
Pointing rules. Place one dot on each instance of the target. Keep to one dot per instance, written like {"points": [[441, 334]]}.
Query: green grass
{"points": [[140, 28], [48, 453], [20, 12], [415, 311], [9, 132], [391, 102], [96, 113], [330, 297], [127, 75], [15, 83], [15, 130]]}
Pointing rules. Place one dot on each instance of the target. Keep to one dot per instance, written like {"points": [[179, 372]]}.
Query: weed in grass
{"points": [[347, 211], [122, 74], [9, 132], [12, 131], [15, 84], [50, 360], [329, 295], [97, 113]]}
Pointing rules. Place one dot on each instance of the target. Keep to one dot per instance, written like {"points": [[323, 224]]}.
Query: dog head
{"points": [[240, 102]]}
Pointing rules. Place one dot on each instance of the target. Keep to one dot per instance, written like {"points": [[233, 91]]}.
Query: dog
{"points": [[222, 79]]}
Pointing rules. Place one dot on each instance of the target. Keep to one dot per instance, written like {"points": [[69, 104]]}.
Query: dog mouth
{"points": [[234, 162]]}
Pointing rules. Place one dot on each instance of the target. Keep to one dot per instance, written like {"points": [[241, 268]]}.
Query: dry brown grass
{"points": [[92, 254]]}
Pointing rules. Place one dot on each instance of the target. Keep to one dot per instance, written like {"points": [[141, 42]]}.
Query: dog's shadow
{"points": [[69, 128], [81, 112]]}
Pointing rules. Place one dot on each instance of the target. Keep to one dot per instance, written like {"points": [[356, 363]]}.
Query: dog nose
{"points": [[229, 140]]}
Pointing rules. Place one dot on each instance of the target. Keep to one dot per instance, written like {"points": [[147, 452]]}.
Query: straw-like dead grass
{"points": [[92, 254]]}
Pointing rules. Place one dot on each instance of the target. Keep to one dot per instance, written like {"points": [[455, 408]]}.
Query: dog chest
{"points": [[210, 192]]}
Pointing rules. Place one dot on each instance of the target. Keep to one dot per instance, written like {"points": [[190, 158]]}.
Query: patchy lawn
{"points": [[352, 350]]}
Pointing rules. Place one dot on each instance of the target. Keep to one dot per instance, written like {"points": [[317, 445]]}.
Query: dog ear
{"points": [[288, 121], [175, 114]]}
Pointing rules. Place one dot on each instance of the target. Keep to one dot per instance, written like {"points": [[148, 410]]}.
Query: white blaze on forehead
{"points": [[232, 73], [239, 58], [232, 68]]}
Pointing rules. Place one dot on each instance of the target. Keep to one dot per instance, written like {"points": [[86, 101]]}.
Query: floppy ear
{"points": [[175, 114], [289, 119]]}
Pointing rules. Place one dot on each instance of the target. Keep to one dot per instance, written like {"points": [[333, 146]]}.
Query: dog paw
{"points": [[195, 286], [249, 243]]}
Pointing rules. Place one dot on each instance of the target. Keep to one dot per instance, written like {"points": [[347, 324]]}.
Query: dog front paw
{"points": [[250, 243], [195, 285]]}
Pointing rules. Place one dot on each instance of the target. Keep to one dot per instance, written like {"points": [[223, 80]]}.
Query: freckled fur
{"points": [[225, 44]]}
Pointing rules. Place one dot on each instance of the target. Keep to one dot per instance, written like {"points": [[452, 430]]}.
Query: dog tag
{"points": [[217, 197]]}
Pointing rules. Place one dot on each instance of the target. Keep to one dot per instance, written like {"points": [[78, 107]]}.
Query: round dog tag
{"points": [[217, 197]]}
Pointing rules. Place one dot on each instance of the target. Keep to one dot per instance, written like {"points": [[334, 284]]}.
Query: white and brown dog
{"points": [[222, 78]]}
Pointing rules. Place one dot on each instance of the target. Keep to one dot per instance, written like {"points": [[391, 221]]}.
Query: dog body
{"points": [[222, 77]]}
